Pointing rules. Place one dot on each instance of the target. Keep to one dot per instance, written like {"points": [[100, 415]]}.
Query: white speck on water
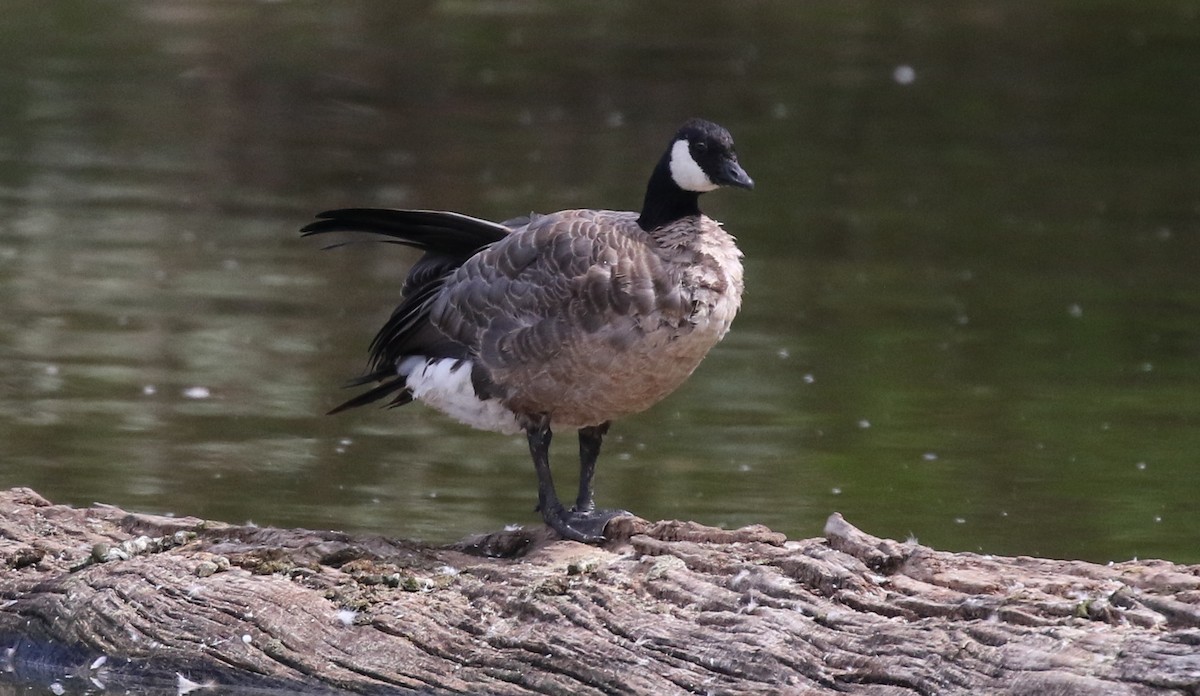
{"points": [[809, 379], [197, 392], [930, 456], [1141, 466], [864, 424], [149, 390], [1075, 310], [1004, 513], [1158, 518], [51, 370], [836, 490], [512, 527], [230, 264], [960, 520], [344, 616], [783, 353], [346, 441], [624, 456], [743, 468], [1147, 367], [904, 74], [779, 110], [1163, 234], [184, 686], [433, 494], [615, 119], [962, 319]]}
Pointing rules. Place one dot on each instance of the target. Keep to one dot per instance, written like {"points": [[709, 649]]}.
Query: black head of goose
{"points": [[571, 319]]}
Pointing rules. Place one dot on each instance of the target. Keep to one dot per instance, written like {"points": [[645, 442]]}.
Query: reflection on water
{"points": [[972, 298]]}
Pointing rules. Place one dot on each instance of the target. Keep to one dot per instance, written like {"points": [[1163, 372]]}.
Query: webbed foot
{"points": [[586, 526]]}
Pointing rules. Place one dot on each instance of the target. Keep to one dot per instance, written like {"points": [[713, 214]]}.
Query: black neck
{"points": [[665, 201]]}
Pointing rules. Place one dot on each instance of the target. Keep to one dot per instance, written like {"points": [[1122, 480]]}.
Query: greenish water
{"points": [[973, 306]]}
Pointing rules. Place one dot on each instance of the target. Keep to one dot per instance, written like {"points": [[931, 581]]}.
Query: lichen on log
{"points": [[109, 597]]}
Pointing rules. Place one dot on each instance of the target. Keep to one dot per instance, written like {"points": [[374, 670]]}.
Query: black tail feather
{"points": [[436, 231], [448, 240], [390, 343], [396, 385]]}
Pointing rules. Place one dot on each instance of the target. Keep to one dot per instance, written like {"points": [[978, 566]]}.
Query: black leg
{"points": [[552, 510], [584, 516], [539, 448], [582, 523], [589, 449]]}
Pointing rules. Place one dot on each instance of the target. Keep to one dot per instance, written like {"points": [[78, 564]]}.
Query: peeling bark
{"points": [[141, 601]]}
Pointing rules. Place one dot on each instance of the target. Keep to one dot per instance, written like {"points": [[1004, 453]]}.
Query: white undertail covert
{"points": [[445, 385]]}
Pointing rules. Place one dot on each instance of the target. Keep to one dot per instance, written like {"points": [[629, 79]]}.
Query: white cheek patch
{"points": [[687, 174]]}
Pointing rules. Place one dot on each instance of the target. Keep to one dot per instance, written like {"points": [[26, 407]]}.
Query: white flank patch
{"points": [[687, 174], [445, 385]]}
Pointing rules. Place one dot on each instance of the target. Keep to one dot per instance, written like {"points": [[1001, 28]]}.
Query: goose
{"points": [[570, 319]]}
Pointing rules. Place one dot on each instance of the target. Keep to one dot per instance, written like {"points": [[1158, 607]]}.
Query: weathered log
{"points": [[102, 595]]}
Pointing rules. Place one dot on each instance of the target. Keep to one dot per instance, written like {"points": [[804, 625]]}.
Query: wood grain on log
{"points": [[110, 597]]}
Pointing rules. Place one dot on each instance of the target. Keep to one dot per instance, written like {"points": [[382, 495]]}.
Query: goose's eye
{"points": [[701, 147]]}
